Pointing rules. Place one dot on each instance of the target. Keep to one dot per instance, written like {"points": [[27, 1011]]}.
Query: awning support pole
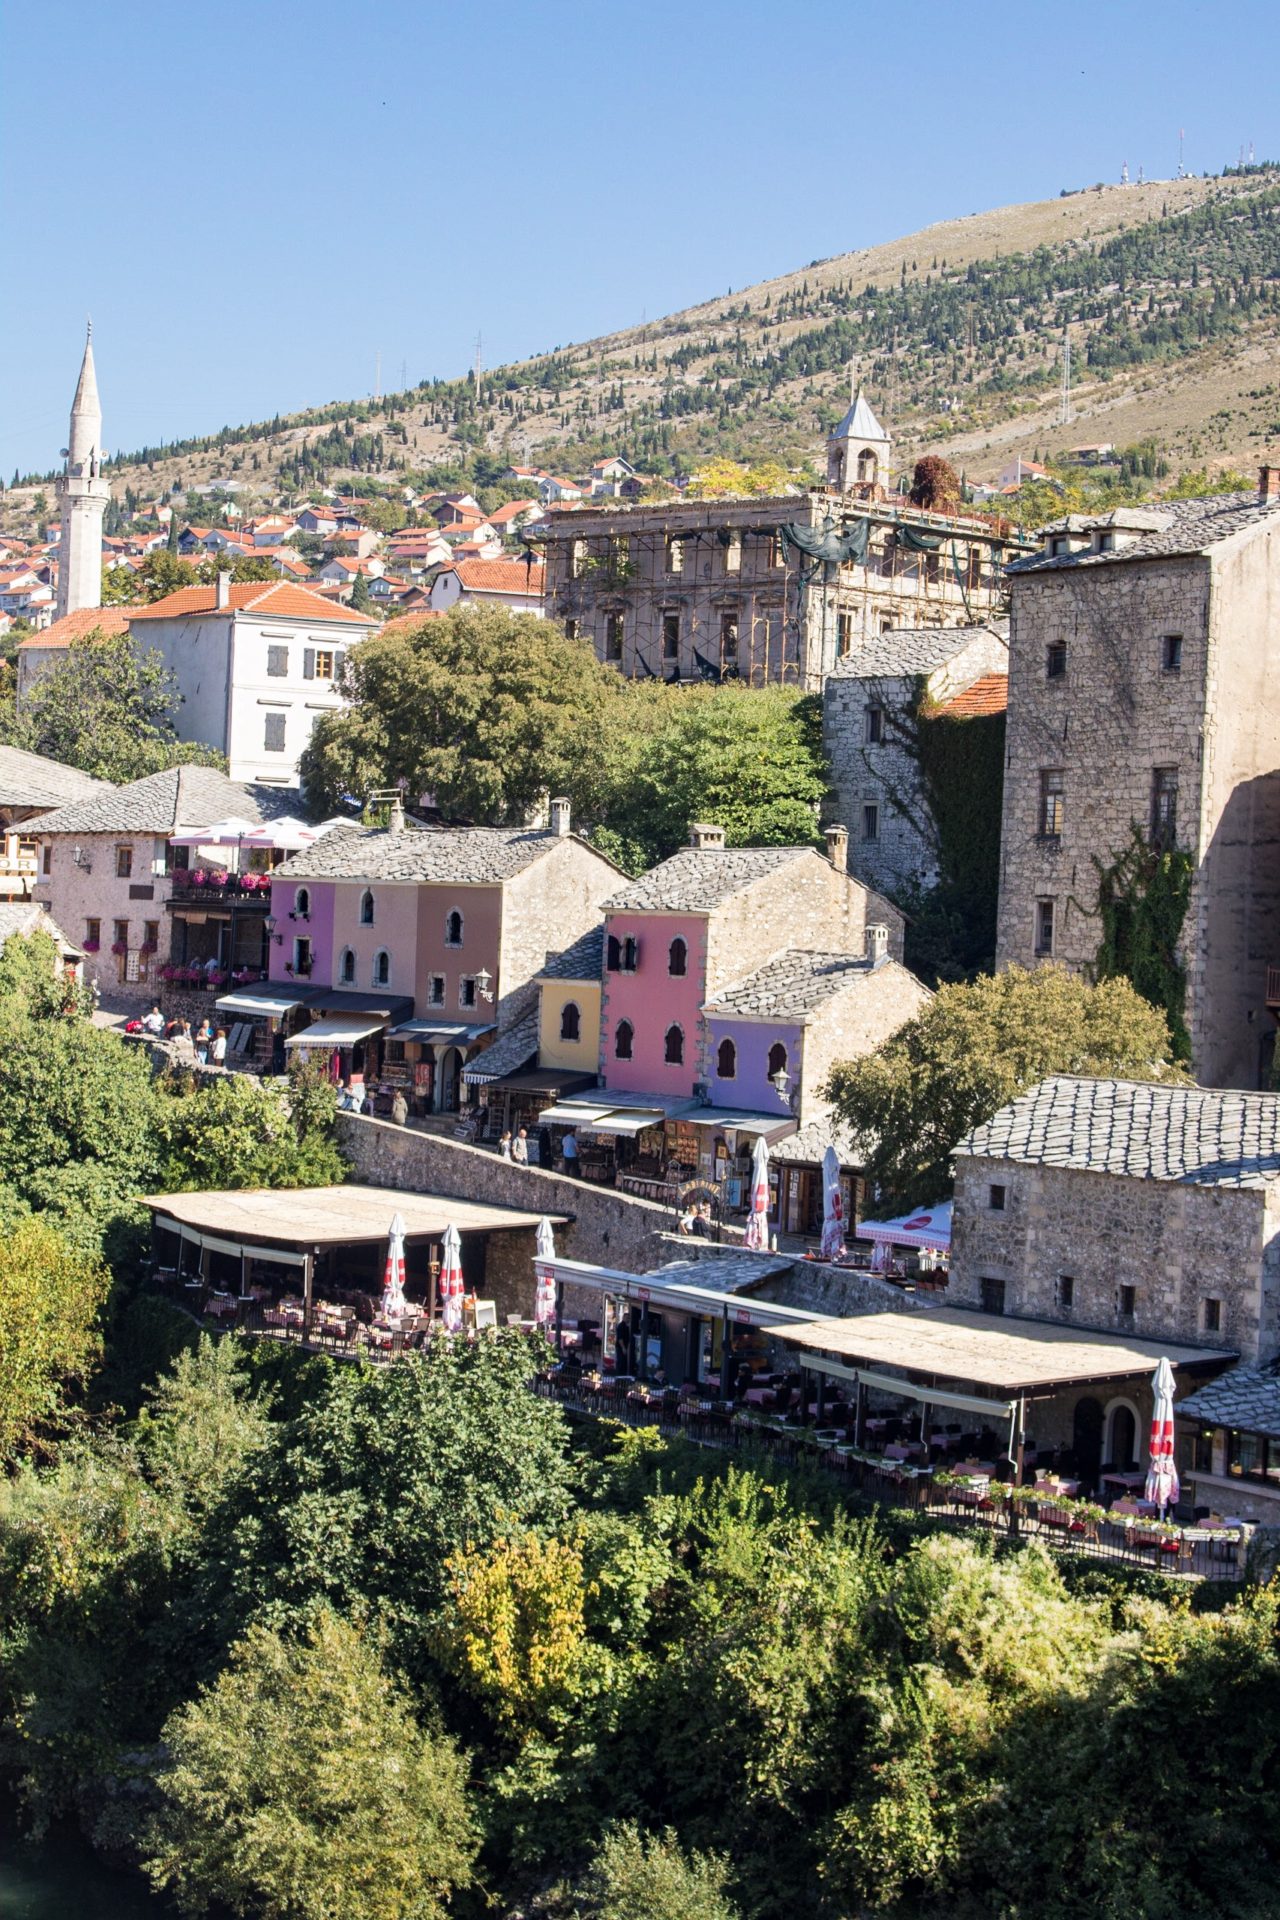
{"points": [[642, 1370], [726, 1359], [560, 1317], [859, 1412], [308, 1271], [822, 1402]]}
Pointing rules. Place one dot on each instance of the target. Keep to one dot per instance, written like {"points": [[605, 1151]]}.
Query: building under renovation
{"points": [[771, 591]]}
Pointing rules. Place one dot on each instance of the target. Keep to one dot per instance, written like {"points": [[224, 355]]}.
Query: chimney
{"points": [[1269, 483], [837, 839], [877, 943], [222, 591], [706, 836], [560, 818], [395, 819]]}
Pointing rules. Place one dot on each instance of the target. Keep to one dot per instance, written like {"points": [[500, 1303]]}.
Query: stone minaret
{"points": [[83, 495]]}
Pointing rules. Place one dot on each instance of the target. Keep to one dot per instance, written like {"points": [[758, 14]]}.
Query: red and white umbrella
{"points": [[757, 1234], [393, 1301], [544, 1299], [832, 1244], [1162, 1488], [451, 1280]]}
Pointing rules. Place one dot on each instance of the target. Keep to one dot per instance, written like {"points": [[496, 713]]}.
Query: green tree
{"points": [[236, 1132], [648, 1876], [244, 568], [163, 572], [108, 709], [51, 1296], [975, 1048], [487, 710], [31, 971], [300, 1787], [171, 544], [119, 587], [361, 598]]}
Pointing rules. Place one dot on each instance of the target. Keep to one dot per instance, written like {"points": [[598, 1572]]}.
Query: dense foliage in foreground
{"points": [[314, 1640]]}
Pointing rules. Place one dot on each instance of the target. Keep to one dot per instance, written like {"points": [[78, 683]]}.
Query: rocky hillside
{"points": [[1170, 290]]}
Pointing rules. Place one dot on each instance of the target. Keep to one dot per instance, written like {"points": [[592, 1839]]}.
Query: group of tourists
{"points": [[207, 1046]]}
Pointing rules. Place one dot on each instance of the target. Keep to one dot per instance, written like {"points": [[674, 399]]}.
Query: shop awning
{"points": [[311, 1218], [729, 1119], [438, 1033], [277, 997], [928, 1227], [540, 1080], [572, 1116], [624, 1125], [387, 1006], [337, 1030]]}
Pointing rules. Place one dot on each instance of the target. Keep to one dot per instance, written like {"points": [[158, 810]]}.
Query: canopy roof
{"points": [[926, 1227], [279, 996], [990, 1350], [337, 1030], [329, 1216]]}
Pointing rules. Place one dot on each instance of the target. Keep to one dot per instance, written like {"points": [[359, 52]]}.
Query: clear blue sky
{"points": [[253, 199]]}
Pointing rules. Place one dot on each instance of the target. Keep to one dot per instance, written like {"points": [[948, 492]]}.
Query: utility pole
{"points": [[1064, 398], [1182, 134], [479, 361]]}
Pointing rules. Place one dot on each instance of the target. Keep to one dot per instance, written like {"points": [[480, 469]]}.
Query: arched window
{"points": [[453, 929], [867, 464], [674, 1051], [381, 968], [347, 967], [613, 957], [302, 901], [727, 1060], [777, 1058], [622, 1039], [677, 957], [570, 1022], [366, 908]]}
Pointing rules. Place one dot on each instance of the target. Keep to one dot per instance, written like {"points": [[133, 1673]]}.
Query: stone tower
{"points": [[83, 495], [858, 451]]}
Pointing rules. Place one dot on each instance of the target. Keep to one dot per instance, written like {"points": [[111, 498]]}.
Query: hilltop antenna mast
{"points": [[1182, 134], [1064, 398], [479, 361]]}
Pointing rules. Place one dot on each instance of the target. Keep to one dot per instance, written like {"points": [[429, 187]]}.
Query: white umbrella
{"points": [[393, 1300], [544, 1299], [218, 833], [757, 1234], [451, 1280], [288, 834], [832, 1246], [1162, 1487]]}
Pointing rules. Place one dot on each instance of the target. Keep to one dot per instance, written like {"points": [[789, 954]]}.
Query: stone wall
{"points": [[1177, 1245], [545, 909], [855, 1023]]}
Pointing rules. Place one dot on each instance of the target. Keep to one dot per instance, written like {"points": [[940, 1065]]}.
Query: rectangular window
{"points": [[124, 862], [992, 1292], [1066, 1292], [278, 662], [874, 725], [729, 639], [1164, 807], [671, 636], [675, 553], [120, 933], [871, 822], [324, 664], [974, 569], [93, 931], [1213, 1315], [302, 955], [435, 990], [996, 1197], [577, 558], [273, 732], [844, 634], [1171, 653], [571, 629], [466, 991], [46, 858], [620, 555], [773, 550], [1126, 1302], [1053, 803], [1055, 660], [613, 626], [151, 934], [733, 554], [1044, 926]]}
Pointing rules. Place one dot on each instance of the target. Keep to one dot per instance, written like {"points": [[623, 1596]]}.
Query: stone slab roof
{"points": [[807, 1147], [1197, 1136], [697, 879], [1244, 1398], [726, 1272], [463, 855], [1193, 526], [584, 960], [164, 802], [793, 984], [904, 652], [510, 1051], [32, 780], [25, 917]]}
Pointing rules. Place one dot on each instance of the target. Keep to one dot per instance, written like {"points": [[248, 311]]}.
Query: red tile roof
{"points": [[500, 576], [509, 512], [990, 694], [409, 622], [279, 600], [74, 626]]}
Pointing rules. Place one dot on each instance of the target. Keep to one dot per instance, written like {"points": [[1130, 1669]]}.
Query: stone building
{"points": [[1144, 692], [867, 718], [1125, 1208], [769, 591], [31, 784]]}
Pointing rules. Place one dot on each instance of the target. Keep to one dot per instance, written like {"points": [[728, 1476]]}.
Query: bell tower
{"points": [[858, 452], [83, 496]]}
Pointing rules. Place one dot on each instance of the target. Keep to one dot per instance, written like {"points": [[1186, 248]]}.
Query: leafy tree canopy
{"points": [[722, 478], [51, 1296], [975, 1048], [236, 1132], [108, 710], [640, 1876]]}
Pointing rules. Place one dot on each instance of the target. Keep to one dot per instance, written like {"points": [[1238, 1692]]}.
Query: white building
{"points": [[256, 666], [83, 495], [516, 584]]}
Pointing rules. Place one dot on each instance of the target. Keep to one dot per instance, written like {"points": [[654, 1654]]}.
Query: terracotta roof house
{"points": [[517, 584], [41, 652]]}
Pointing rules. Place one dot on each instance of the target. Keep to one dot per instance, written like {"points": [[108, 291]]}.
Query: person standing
{"points": [[204, 1040], [400, 1109], [504, 1146], [154, 1022], [218, 1051], [569, 1151], [520, 1149]]}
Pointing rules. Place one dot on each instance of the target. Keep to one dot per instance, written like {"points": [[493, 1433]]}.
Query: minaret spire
{"points": [[84, 495]]}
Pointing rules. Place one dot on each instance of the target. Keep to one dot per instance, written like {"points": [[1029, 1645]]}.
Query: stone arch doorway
{"points": [[450, 1081], [1121, 1450], [1086, 1438]]}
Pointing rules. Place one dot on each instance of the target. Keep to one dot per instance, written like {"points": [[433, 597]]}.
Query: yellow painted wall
{"points": [[576, 1056]]}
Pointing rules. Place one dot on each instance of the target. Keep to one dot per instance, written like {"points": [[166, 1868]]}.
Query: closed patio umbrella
{"points": [[451, 1279], [544, 1299], [832, 1246], [757, 1234], [393, 1300], [1162, 1487]]}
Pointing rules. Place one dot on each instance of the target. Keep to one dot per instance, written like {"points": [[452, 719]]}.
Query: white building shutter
{"points": [[308, 663]]}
